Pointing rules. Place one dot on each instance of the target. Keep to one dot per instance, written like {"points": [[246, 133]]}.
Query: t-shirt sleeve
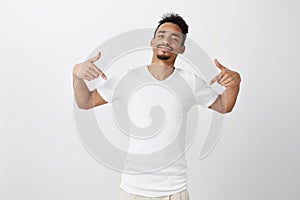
{"points": [[205, 94], [106, 88]]}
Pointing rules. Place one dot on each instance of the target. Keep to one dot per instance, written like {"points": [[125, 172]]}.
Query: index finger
{"points": [[214, 79], [100, 72]]}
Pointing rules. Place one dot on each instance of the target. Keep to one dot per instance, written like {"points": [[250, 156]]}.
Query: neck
{"points": [[160, 72], [161, 69], [165, 63]]}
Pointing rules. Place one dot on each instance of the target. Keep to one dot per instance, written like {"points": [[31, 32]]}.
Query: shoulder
{"points": [[188, 76], [191, 77], [185, 73], [139, 69]]}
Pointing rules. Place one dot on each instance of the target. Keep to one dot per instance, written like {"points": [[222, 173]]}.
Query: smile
{"points": [[164, 48]]}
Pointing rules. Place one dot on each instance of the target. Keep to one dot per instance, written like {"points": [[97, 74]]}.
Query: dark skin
{"points": [[166, 44]]}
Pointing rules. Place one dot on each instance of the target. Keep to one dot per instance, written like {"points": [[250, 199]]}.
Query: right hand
{"points": [[88, 70]]}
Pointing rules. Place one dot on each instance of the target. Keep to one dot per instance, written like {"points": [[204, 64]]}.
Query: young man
{"points": [[167, 43]]}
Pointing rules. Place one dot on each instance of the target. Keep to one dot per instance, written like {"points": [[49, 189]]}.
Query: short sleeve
{"points": [[205, 94], [106, 88]]}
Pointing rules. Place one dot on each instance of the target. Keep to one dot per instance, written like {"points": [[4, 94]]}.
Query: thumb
{"points": [[221, 67], [94, 59]]}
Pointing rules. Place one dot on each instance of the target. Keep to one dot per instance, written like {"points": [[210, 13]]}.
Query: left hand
{"points": [[226, 77]]}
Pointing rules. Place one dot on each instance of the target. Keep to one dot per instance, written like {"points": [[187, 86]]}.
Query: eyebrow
{"points": [[161, 31], [173, 34]]}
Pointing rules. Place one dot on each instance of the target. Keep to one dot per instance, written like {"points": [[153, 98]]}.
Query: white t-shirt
{"points": [[164, 170]]}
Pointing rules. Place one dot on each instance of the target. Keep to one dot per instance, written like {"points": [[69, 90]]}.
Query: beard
{"points": [[163, 57]]}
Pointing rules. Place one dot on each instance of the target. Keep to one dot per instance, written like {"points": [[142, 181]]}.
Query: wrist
{"points": [[234, 87]]}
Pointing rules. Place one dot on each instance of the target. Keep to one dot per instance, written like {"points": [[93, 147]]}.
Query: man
{"points": [[167, 43]]}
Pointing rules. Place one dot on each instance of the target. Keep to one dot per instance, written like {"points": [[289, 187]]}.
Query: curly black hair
{"points": [[176, 19]]}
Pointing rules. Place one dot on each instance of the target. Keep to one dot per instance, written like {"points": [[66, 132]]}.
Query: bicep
{"points": [[96, 99], [218, 105], [215, 104]]}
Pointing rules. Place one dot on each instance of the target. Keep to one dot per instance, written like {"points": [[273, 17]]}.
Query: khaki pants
{"points": [[183, 195]]}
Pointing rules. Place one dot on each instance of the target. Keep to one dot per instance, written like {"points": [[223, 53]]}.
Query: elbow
{"points": [[83, 103], [228, 110], [224, 110], [83, 106]]}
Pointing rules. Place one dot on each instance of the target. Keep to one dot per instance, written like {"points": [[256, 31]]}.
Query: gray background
{"points": [[41, 156]]}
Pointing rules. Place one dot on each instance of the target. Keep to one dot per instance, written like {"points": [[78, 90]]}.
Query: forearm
{"points": [[81, 92], [229, 97]]}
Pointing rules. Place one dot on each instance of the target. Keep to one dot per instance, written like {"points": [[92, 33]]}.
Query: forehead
{"points": [[170, 27]]}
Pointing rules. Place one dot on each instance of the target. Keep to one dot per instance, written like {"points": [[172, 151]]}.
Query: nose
{"points": [[167, 40]]}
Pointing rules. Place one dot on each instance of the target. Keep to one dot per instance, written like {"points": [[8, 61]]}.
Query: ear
{"points": [[182, 49], [152, 42]]}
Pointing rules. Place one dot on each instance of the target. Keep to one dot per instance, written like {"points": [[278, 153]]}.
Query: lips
{"points": [[164, 48]]}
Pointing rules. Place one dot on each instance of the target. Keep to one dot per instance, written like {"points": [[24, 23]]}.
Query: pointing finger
{"points": [[98, 71], [103, 76], [216, 78]]}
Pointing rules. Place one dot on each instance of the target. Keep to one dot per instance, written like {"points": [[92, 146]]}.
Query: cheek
{"points": [[177, 48], [154, 43]]}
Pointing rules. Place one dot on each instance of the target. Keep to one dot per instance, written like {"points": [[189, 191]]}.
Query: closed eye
{"points": [[160, 36]]}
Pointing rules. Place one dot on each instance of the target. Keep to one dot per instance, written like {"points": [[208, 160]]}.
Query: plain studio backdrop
{"points": [[41, 156]]}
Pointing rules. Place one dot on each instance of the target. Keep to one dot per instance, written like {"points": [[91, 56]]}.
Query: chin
{"points": [[163, 57]]}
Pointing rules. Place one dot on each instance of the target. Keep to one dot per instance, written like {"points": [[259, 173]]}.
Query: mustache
{"points": [[165, 46]]}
